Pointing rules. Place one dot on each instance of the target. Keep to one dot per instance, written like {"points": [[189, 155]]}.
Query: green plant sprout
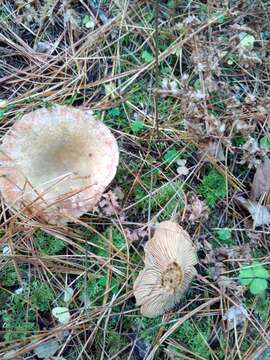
{"points": [[171, 155], [254, 276], [224, 234], [137, 126]]}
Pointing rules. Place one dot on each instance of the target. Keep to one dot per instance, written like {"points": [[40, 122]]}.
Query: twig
{"points": [[98, 12], [156, 63]]}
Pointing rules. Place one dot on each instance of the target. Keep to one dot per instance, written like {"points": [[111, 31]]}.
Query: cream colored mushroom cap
{"points": [[169, 268], [56, 163]]}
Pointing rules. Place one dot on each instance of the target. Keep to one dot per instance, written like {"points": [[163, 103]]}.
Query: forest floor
{"points": [[184, 87]]}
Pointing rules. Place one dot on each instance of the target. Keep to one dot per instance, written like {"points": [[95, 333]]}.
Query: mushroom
{"points": [[169, 268], [56, 163]]}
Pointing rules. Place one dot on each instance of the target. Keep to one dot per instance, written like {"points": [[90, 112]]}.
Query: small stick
{"points": [[108, 281], [156, 63], [98, 12]]}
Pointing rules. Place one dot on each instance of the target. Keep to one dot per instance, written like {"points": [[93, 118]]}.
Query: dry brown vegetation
{"points": [[184, 87]]}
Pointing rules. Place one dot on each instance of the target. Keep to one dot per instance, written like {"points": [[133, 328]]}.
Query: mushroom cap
{"points": [[56, 163], [169, 268]]}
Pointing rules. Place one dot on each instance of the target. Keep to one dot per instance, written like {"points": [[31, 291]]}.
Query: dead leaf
{"points": [[250, 152], [46, 349], [215, 149], [218, 259], [44, 47], [243, 126], [182, 169], [196, 210], [235, 316], [254, 238], [135, 234], [259, 213], [261, 182], [212, 148], [109, 204], [119, 193]]}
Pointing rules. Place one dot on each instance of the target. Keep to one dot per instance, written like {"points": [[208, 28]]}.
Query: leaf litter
{"points": [[215, 100]]}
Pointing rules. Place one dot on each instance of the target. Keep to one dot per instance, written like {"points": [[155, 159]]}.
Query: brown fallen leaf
{"points": [[217, 256], [212, 148], [215, 149], [219, 262], [135, 234], [109, 204], [196, 210], [227, 284], [250, 151], [261, 182]]}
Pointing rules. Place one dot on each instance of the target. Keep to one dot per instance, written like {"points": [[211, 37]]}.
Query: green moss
{"points": [[148, 328], [225, 237], [115, 341], [19, 315], [167, 198], [195, 337], [213, 187], [41, 296], [238, 140], [262, 307], [4, 296], [8, 275], [93, 291], [116, 117], [100, 247], [49, 245], [18, 324]]}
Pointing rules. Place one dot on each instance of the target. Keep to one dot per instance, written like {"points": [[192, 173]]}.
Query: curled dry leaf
{"points": [[47, 349], [169, 88], [169, 268], [135, 234], [261, 182], [241, 253], [259, 213], [250, 151], [62, 314], [215, 149], [109, 204], [227, 284], [235, 316], [182, 169], [243, 126], [212, 148], [195, 210], [218, 259]]}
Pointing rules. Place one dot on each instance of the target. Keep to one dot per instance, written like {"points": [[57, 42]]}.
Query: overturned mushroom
{"points": [[169, 268], [56, 163]]}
